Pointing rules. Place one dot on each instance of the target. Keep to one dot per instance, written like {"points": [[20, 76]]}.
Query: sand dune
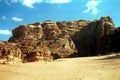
{"points": [[85, 68]]}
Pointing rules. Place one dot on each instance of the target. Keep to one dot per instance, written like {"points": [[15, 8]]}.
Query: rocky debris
{"points": [[52, 40]]}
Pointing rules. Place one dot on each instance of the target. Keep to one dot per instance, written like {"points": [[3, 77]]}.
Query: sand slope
{"points": [[86, 68]]}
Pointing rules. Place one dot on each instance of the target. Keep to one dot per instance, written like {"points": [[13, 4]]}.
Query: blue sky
{"points": [[16, 12]]}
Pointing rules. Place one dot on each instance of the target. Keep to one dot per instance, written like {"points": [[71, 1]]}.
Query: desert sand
{"points": [[81, 68]]}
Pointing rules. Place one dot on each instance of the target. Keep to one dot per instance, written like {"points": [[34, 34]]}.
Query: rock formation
{"points": [[10, 52], [46, 41], [94, 38], [52, 40], [27, 32]]}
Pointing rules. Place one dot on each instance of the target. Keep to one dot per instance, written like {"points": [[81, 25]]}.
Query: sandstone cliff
{"points": [[95, 38], [52, 40]]}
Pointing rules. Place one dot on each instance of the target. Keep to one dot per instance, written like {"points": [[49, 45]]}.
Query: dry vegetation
{"points": [[86, 68]]}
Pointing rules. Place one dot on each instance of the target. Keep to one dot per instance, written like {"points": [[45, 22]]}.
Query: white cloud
{"points": [[5, 32], [58, 1], [92, 6], [4, 17], [16, 19], [30, 3]]}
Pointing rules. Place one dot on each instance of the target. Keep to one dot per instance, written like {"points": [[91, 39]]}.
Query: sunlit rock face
{"points": [[43, 42], [27, 32]]}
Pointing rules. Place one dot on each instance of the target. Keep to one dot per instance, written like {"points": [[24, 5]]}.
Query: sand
{"points": [[85, 68]]}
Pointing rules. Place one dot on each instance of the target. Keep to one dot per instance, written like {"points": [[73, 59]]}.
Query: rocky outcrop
{"points": [[95, 38], [46, 41], [51, 30], [52, 40], [104, 39], [9, 52], [27, 32]]}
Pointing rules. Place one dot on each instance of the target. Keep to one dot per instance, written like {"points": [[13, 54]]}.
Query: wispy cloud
{"points": [[92, 6], [58, 1], [13, 1], [17, 19], [5, 32], [4, 17], [9, 2], [30, 3]]}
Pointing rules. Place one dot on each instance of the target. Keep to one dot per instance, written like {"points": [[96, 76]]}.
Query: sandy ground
{"points": [[85, 68]]}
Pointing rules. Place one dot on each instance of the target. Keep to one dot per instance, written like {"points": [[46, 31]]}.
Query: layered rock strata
{"points": [[52, 40]]}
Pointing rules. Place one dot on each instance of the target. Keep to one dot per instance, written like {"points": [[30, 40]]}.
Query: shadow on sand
{"points": [[116, 56]]}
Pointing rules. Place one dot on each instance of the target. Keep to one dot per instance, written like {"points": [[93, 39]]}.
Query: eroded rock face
{"points": [[105, 30], [9, 52], [27, 32], [52, 40], [42, 42], [34, 51], [51, 30], [95, 37]]}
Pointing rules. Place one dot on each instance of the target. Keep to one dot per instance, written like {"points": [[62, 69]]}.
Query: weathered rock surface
{"points": [[9, 52], [27, 32], [95, 37], [52, 40], [46, 42]]}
